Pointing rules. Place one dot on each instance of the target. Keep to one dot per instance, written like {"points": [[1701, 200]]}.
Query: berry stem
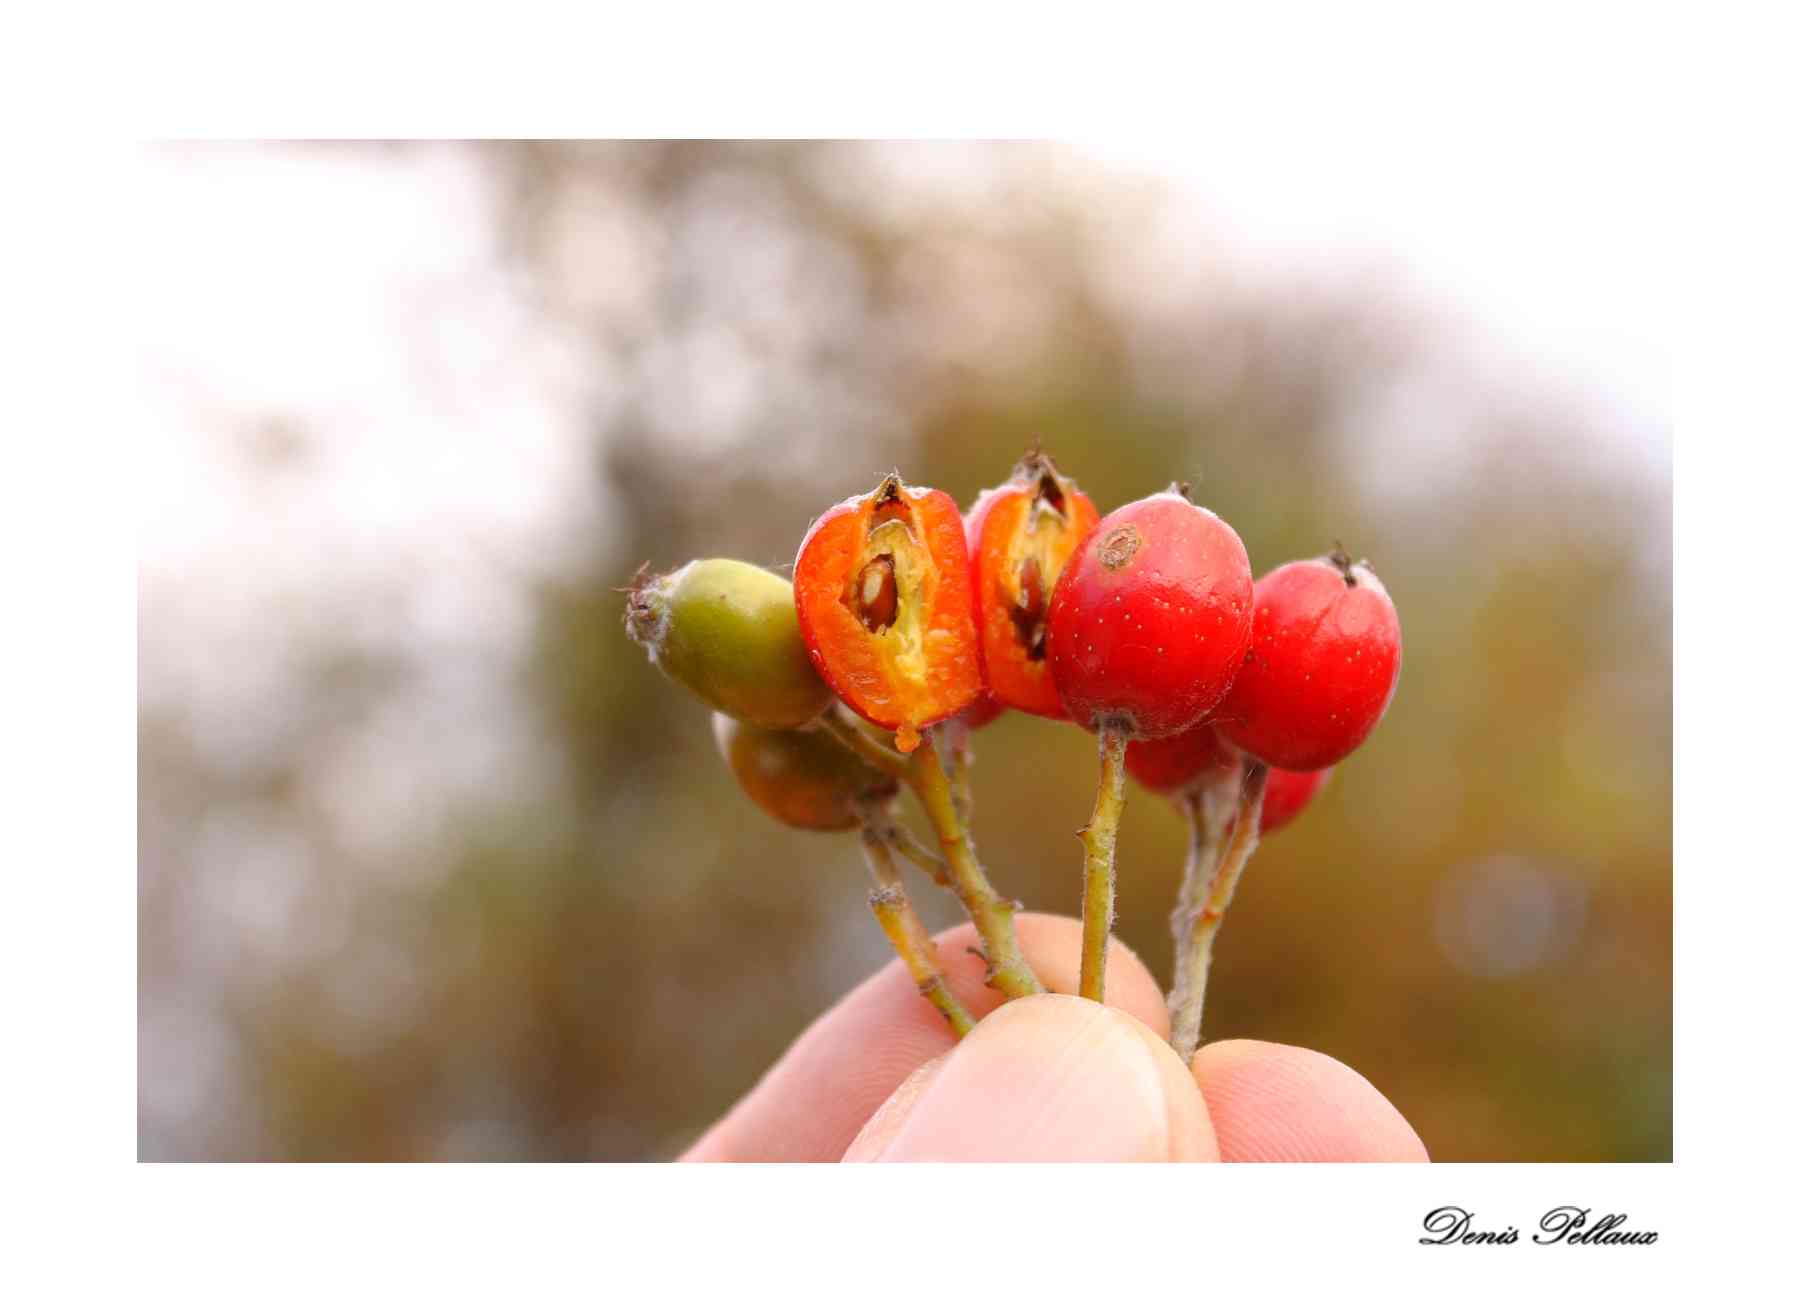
{"points": [[891, 906], [932, 771], [868, 748], [919, 855], [1006, 970], [1202, 907], [1100, 837], [960, 769], [1210, 810]]}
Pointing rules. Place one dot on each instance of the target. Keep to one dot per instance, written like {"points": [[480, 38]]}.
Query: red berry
{"points": [[1321, 668], [1150, 620], [1018, 537], [1288, 792], [1172, 766]]}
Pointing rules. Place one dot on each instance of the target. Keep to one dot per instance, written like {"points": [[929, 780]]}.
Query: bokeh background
{"points": [[434, 865]]}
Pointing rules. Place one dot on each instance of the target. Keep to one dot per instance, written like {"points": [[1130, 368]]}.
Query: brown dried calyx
{"points": [[645, 618], [1038, 468], [1340, 559], [888, 502]]}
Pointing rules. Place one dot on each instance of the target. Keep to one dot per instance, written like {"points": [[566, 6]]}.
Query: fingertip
{"points": [[1051, 1078], [815, 1100], [1282, 1103]]}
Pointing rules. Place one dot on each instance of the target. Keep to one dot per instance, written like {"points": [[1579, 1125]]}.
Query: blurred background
{"points": [[434, 865]]}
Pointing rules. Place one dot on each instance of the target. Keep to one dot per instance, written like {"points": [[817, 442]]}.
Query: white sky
{"points": [[1557, 251]]}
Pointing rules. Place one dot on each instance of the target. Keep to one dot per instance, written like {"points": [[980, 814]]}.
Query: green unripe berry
{"points": [[728, 631], [802, 778]]}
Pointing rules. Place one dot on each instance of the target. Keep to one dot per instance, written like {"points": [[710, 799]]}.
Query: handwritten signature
{"points": [[1564, 1225]]}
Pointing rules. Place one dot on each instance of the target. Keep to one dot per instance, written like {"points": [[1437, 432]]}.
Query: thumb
{"points": [[1050, 1078]]}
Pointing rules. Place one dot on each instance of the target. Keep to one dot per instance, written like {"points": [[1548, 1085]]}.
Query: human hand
{"points": [[1050, 1078]]}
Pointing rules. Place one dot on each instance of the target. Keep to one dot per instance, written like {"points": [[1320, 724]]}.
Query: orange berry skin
{"points": [[800, 777], [1019, 536], [884, 601]]}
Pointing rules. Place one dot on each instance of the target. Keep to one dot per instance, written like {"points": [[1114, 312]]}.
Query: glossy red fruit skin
{"points": [[1321, 668], [1173, 766], [1289, 792], [1151, 618]]}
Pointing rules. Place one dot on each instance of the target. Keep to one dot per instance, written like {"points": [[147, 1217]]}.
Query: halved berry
{"points": [[884, 599], [1019, 536]]}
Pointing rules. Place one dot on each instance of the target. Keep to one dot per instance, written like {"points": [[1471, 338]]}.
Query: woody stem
{"points": [[928, 771], [1201, 910], [868, 748], [1007, 970], [901, 923], [1098, 900]]}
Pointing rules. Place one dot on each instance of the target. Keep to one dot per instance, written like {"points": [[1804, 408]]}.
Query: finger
{"points": [[1052, 1078], [1282, 1104], [815, 1099]]}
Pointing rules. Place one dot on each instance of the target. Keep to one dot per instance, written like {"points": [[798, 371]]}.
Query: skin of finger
{"points": [[812, 1103], [1282, 1104], [1052, 1078]]}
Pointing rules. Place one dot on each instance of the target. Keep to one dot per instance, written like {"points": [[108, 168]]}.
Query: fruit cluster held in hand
{"points": [[1229, 697]]}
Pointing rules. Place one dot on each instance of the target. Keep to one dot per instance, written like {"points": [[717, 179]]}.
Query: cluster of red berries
{"points": [[1148, 620], [1145, 626]]}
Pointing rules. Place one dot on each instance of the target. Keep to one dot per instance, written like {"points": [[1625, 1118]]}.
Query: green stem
{"points": [[891, 906], [1100, 837], [1201, 912], [919, 855], [959, 762], [1210, 810], [845, 730], [927, 771], [1006, 970]]}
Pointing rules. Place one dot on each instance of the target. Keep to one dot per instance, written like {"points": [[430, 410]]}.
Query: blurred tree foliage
{"points": [[599, 969]]}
